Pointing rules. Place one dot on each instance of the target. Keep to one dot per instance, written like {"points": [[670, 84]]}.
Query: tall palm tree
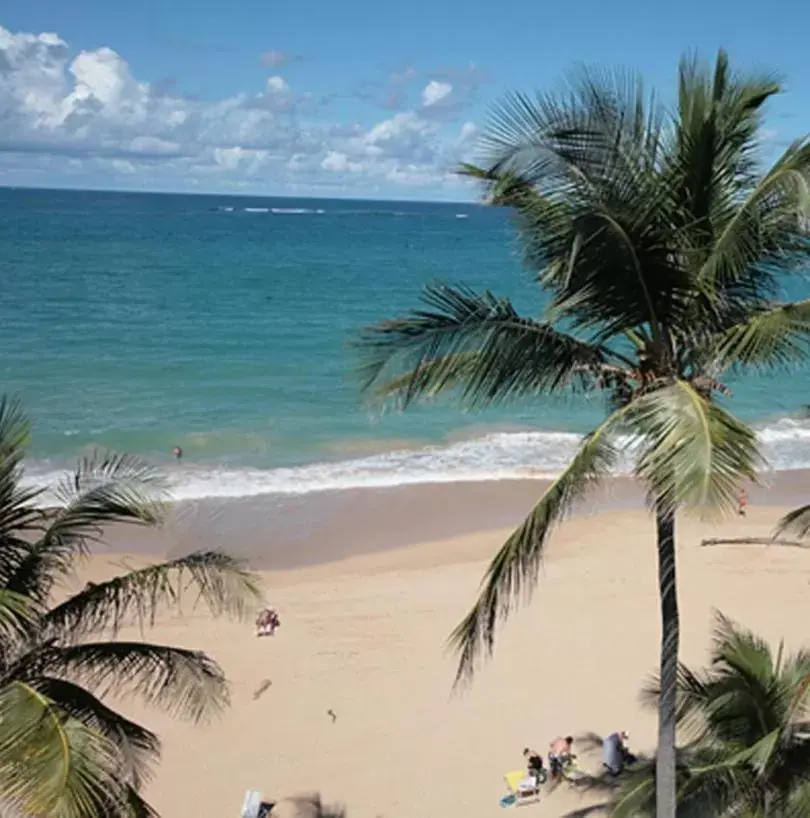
{"points": [[64, 750], [661, 246], [746, 725]]}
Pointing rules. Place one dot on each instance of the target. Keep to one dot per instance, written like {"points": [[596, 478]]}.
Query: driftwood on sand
{"points": [[753, 541]]}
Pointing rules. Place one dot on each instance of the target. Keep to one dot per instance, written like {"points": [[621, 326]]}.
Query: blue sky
{"points": [[356, 98]]}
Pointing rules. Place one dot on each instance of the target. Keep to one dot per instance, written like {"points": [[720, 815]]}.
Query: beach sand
{"points": [[364, 632]]}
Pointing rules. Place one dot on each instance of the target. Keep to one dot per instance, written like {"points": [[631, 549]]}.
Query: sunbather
{"points": [[615, 754], [266, 622], [534, 763], [560, 752]]}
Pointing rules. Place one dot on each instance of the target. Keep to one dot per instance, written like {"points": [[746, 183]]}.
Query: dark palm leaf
{"points": [[183, 683], [221, 582], [104, 489], [745, 722], [477, 343], [795, 522]]}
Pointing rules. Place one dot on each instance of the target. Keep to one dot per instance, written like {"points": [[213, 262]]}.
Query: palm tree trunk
{"points": [[665, 786]]}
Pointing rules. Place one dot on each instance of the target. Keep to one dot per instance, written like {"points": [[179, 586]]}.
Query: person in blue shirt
{"points": [[615, 755]]}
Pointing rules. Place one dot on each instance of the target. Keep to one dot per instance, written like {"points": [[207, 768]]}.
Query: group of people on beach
{"points": [[615, 757]]}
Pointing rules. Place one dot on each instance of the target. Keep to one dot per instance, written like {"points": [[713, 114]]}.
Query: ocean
{"points": [[223, 325]]}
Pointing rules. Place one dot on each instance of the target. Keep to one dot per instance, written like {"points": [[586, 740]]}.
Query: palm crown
{"points": [[746, 723], [64, 751], [662, 246]]}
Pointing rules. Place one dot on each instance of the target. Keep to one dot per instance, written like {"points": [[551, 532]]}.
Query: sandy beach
{"points": [[364, 629]]}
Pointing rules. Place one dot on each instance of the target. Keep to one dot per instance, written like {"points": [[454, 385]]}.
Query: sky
{"points": [[317, 98]]}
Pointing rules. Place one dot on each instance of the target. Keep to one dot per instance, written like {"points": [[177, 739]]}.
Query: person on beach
{"points": [[560, 753], [267, 621], [178, 453], [742, 502], [534, 763], [615, 754]]}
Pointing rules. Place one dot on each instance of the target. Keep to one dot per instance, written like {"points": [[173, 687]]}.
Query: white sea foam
{"points": [[499, 456], [293, 211], [256, 209]]}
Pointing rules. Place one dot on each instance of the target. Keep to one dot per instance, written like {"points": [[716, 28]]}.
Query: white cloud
{"points": [[85, 115], [435, 92], [277, 85]]}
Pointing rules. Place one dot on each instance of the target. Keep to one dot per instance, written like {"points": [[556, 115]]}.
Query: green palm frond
{"points": [[183, 683], [774, 337], [478, 343], [744, 720], [691, 698], [105, 489], [217, 580], [795, 522], [51, 764], [108, 488], [138, 747], [15, 429], [135, 806], [693, 452], [503, 190], [513, 571], [764, 234], [600, 231]]}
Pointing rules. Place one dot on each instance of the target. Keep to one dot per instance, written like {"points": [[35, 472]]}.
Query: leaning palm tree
{"points": [[65, 751], [796, 522], [746, 725], [661, 246]]}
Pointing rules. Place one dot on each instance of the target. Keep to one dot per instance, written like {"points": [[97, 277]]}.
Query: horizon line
{"points": [[348, 198]]}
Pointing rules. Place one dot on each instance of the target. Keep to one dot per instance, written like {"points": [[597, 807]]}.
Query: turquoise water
{"points": [[222, 325]]}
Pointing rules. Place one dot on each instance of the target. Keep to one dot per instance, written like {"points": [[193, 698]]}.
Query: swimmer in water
{"points": [[177, 452]]}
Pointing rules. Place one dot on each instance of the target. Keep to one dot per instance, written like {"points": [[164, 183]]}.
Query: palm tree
{"points": [[795, 522], [746, 720], [661, 247], [64, 750]]}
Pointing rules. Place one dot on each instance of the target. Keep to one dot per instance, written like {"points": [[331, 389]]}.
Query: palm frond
{"points": [[692, 700], [51, 764], [775, 337], [139, 748], [183, 683], [18, 510], [105, 489], [761, 236], [513, 571], [693, 452], [15, 429], [796, 522], [502, 189], [597, 226], [217, 580], [478, 343], [705, 787]]}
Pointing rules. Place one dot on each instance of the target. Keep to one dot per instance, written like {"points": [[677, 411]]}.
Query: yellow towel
{"points": [[514, 778]]}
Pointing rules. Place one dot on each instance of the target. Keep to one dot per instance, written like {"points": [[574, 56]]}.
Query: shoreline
{"points": [[287, 532]]}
